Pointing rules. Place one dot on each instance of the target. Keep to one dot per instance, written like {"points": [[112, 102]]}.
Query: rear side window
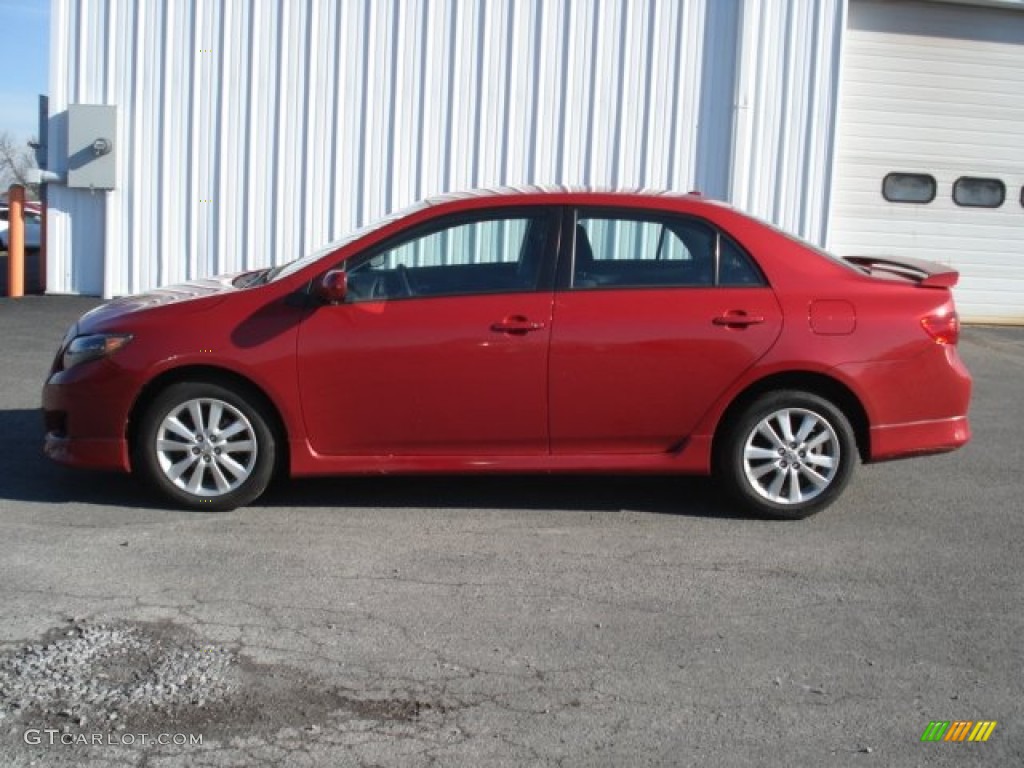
{"points": [[974, 192], [630, 250]]}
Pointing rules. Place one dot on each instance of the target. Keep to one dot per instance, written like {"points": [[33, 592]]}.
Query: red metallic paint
{"points": [[426, 377], [634, 371], [623, 381]]}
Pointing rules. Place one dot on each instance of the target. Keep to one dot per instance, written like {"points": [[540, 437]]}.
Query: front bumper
{"points": [[91, 453], [85, 412]]}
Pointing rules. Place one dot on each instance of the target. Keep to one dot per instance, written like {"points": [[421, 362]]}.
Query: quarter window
{"points": [[734, 265], [908, 188], [973, 192]]}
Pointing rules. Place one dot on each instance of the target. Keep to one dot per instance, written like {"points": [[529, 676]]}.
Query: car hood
{"points": [[199, 292]]}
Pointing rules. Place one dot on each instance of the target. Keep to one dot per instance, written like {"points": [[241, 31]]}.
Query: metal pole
{"points": [[42, 239], [16, 241]]}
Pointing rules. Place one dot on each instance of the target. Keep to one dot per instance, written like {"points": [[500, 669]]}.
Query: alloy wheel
{"points": [[791, 456], [206, 447]]}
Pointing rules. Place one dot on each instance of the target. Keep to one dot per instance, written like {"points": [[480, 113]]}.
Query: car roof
{"points": [[562, 193]]}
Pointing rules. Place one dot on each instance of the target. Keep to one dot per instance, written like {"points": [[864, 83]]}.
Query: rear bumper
{"points": [[915, 406], [918, 439]]}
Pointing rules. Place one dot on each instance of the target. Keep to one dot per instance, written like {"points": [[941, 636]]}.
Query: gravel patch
{"points": [[85, 678], [96, 674]]}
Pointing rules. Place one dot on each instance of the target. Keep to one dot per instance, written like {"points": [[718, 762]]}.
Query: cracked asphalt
{"points": [[525, 621]]}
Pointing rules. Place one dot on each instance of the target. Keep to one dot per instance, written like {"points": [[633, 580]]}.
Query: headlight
{"points": [[85, 348]]}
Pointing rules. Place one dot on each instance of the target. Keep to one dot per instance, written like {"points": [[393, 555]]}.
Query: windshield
{"points": [[294, 266]]}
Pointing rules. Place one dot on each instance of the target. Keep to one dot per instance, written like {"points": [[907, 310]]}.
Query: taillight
{"points": [[943, 328]]}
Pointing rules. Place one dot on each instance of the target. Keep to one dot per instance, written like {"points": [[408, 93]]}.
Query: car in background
{"points": [[33, 226], [521, 331]]}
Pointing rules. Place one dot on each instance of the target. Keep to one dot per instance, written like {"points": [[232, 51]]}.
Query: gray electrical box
{"points": [[92, 146]]}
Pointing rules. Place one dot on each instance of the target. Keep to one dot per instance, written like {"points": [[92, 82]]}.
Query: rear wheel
{"points": [[205, 446], [788, 455]]}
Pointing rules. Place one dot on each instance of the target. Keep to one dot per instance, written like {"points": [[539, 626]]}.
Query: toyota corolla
{"points": [[523, 331]]}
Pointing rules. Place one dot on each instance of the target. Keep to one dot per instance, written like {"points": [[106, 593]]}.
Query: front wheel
{"points": [[788, 455], [205, 446]]}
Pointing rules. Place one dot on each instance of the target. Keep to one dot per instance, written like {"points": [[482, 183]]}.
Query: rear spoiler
{"points": [[928, 274]]}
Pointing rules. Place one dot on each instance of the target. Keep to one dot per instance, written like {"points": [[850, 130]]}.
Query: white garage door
{"points": [[930, 160]]}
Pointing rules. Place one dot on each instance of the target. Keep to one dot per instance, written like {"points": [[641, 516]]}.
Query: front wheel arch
{"points": [[207, 374]]}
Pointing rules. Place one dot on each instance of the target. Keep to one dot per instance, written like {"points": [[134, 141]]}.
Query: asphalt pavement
{"points": [[602, 621]]}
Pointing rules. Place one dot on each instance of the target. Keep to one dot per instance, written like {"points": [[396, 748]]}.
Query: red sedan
{"points": [[524, 331]]}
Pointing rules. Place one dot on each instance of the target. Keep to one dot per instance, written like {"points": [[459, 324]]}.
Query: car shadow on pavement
{"points": [[685, 496], [27, 475]]}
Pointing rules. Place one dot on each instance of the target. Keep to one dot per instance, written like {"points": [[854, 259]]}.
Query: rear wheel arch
{"points": [[813, 383], [211, 375]]}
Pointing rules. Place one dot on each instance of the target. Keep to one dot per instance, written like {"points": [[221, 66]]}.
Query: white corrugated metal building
{"points": [[249, 132]]}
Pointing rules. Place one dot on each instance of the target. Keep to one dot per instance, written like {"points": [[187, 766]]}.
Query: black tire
{"points": [[793, 478], [226, 462]]}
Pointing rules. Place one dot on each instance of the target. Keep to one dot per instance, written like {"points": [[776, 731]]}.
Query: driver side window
{"points": [[493, 255]]}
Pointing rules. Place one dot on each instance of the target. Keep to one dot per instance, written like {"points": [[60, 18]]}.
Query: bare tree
{"points": [[15, 162]]}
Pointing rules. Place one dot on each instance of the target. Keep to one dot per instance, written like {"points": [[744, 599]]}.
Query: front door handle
{"points": [[737, 318], [517, 325]]}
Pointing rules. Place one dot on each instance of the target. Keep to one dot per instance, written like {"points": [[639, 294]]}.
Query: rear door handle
{"points": [[737, 318], [516, 325]]}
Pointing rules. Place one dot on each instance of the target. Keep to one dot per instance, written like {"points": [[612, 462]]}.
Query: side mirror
{"points": [[333, 287]]}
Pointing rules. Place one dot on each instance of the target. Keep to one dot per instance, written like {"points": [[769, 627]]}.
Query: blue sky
{"points": [[24, 37]]}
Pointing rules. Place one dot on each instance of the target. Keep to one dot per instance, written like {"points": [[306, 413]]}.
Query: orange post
{"points": [[16, 241]]}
